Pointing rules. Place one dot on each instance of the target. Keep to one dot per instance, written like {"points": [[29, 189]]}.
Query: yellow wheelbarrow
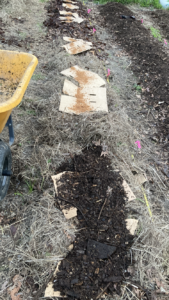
{"points": [[16, 69]]}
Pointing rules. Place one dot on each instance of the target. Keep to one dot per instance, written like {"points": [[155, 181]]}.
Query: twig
{"points": [[102, 208], [132, 283], [62, 199], [98, 296]]}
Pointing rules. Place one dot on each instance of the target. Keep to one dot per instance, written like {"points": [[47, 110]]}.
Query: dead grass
{"points": [[35, 243]]}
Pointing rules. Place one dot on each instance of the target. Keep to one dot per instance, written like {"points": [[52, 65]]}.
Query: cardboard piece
{"points": [[129, 193], [72, 211], [56, 181], [69, 39], [77, 47], [83, 77], [131, 225], [140, 179], [71, 18], [70, 6], [80, 100], [49, 292], [64, 12], [69, 1]]}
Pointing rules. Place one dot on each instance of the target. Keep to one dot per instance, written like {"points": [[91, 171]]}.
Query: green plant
{"points": [[144, 3], [38, 76], [156, 33], [31, 112], [23, 35], [30, 186], [137, 87], [18, 194]]}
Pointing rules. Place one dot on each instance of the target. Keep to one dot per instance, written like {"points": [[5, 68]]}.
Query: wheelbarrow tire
{"points": [[5, 164]]}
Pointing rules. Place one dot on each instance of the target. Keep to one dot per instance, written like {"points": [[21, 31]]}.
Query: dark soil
{"points": [[74, 30], [149, 61], [97, 192], [161, 17]]}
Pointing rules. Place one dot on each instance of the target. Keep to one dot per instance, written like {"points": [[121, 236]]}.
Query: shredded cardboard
{"points": [[77, 47], [131, 225], [83, 77]]}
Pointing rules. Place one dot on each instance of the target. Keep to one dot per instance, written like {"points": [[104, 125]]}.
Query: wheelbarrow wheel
{"points": [[5, 167]]}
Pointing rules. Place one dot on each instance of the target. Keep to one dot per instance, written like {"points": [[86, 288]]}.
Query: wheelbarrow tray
{"points": [[16, 69]]}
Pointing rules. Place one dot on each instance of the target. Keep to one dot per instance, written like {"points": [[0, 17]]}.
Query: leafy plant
{"points": [[137, 87], [156, 33]]}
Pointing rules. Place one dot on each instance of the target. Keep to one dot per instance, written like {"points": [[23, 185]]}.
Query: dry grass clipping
{"points": [[37, 242]]}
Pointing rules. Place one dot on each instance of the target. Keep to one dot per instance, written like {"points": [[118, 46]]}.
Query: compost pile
{"points": [[98, 260], [150, 62], [84, 30]]}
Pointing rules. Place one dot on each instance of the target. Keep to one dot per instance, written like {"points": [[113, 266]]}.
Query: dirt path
{"points": [[46, 137]]}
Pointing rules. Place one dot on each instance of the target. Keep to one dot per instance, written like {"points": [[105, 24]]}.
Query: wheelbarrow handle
{"points": [[7, 173]]}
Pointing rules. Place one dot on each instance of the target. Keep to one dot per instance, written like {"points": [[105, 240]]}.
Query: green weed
{"points": [[23, 35], [18, 194], [144, 3], [31, 112], [30, 186], [156, 33], [137, 87], [38, 76]]}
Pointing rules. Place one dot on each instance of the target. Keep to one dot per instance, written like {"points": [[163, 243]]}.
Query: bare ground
{"points": [[44, 137]]}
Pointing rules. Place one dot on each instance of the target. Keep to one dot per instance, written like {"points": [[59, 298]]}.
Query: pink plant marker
{"points": [[89, 10], [94, 30], [138, 144], [108, 72], [165, 42], [141, 21]]}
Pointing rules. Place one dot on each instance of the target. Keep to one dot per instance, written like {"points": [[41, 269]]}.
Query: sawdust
{"points": [[81, 76], [81, 105], [73, 48]]}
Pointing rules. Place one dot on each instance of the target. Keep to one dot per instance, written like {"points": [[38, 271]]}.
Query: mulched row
{"points": [[97, 192], [74, 30], [149, 61]]}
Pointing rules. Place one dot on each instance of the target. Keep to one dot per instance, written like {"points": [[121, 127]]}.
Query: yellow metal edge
{"points": [[18, 95]]}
